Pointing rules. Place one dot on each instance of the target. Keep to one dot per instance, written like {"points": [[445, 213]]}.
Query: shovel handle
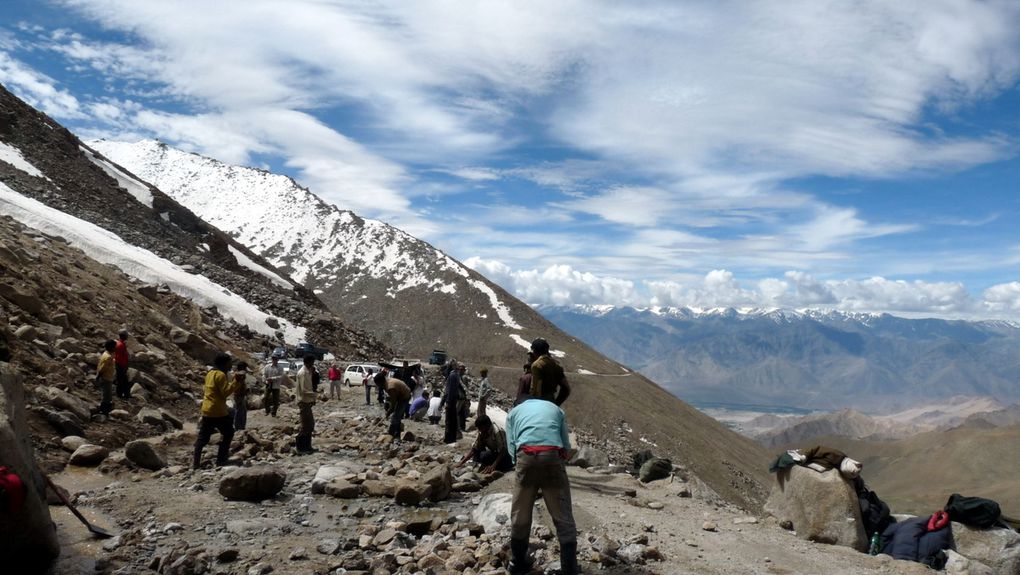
{"points": [[68, 503]]}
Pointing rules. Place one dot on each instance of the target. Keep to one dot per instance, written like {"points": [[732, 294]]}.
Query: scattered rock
{"points": [[253, 483], [142, 454], [999, 549], [72, 442], [89, 455]]}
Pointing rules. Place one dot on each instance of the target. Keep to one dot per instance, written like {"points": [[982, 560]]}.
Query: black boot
{"points": [[568, 559], [520, 562], [197, 459]]}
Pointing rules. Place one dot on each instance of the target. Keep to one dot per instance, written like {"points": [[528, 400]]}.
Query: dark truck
{"points": [[304, 348], [438, 357]]}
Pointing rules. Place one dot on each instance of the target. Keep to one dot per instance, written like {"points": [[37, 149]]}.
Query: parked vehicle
{"points": [[356, 373], [304, 348], [279, 352], [438, 357]]}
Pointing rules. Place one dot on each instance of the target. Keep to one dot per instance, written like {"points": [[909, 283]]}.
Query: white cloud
{"points": [[38, 89], [564, 285]]}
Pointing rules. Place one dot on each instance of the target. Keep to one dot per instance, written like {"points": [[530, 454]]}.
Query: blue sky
{"points": [[852, 155]]}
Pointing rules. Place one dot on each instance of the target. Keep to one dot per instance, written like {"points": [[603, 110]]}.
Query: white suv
{"points": [[356, 373]]}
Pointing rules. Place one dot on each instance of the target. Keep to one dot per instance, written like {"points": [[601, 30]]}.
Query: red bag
{"points": [[12, 491], [938, 520]]}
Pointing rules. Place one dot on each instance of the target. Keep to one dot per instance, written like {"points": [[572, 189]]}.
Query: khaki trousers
{"points": [[545, 471], [307, 421]]}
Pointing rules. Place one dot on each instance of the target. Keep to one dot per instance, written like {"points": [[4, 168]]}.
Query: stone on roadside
{"points": [[72, 442], [999, 549], [409, 494], [493, 512], [253, 483], [588, 456], [150, 416], [89, 455], [957, 564], [440, 482], [143, 454], [709, 526], [822, 507], [342, 488]]}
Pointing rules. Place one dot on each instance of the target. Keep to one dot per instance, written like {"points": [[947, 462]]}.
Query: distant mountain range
{"points": [[814, 359]]}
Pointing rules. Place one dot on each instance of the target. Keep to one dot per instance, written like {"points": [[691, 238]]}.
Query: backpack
{"points": [[973, 511]]}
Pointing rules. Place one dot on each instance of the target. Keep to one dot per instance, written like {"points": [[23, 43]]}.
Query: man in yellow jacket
{"points": [[215, 415]]}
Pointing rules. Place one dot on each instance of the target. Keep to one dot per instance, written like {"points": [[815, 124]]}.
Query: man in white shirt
{"points": [[273, 376], [435, 412], [304, 389]]}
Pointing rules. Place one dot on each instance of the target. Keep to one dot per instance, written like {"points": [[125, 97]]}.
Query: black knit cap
{"points": [[540, 346]]}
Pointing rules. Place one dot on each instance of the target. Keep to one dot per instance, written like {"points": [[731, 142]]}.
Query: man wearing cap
{"points": [[120, 360], [537, 441], [273, 376], [547, 379]]}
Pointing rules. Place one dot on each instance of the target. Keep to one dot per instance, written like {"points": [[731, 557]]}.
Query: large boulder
{"points": [[822, 507], [150, 416], [589, 457], [63, 400], [957, 564], [654, 469], [253, 483], [193, 345], [27, 533], [63, 422], [440, 482], [410, 493], [26, 300], [89, 455], [327, 473], [999, 549], [493, 512], [143, 454]]}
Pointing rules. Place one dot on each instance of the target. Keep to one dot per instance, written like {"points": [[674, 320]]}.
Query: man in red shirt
{"points": [[120, 360]]}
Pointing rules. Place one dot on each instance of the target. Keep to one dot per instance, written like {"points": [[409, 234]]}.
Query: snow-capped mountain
{"points": [[806, 358], [412, 295], [53, 183]]}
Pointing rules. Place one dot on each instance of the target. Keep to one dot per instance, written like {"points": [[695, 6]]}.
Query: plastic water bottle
{"points": [[876, 544]]}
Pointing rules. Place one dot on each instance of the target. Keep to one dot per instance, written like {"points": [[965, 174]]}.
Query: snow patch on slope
{"points": [[247, 262], [14, 157], [138, 189], [108, 248]]}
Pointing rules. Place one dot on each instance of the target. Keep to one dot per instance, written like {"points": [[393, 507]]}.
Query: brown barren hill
{"points": [[917, 475]]}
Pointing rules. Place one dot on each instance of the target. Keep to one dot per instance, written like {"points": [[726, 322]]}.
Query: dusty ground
{"points": [[158, 514]]}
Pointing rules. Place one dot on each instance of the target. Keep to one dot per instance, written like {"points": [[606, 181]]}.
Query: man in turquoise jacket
{"points": [[538, 442]]}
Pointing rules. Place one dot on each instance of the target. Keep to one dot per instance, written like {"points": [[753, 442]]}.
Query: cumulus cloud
{"points": [[564, 285], [37, 88], [650, 141]]}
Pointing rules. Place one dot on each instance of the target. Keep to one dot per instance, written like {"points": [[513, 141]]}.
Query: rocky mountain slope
{"points": [[47, 165], [416, 297], [410, 294], [821, 360]]}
